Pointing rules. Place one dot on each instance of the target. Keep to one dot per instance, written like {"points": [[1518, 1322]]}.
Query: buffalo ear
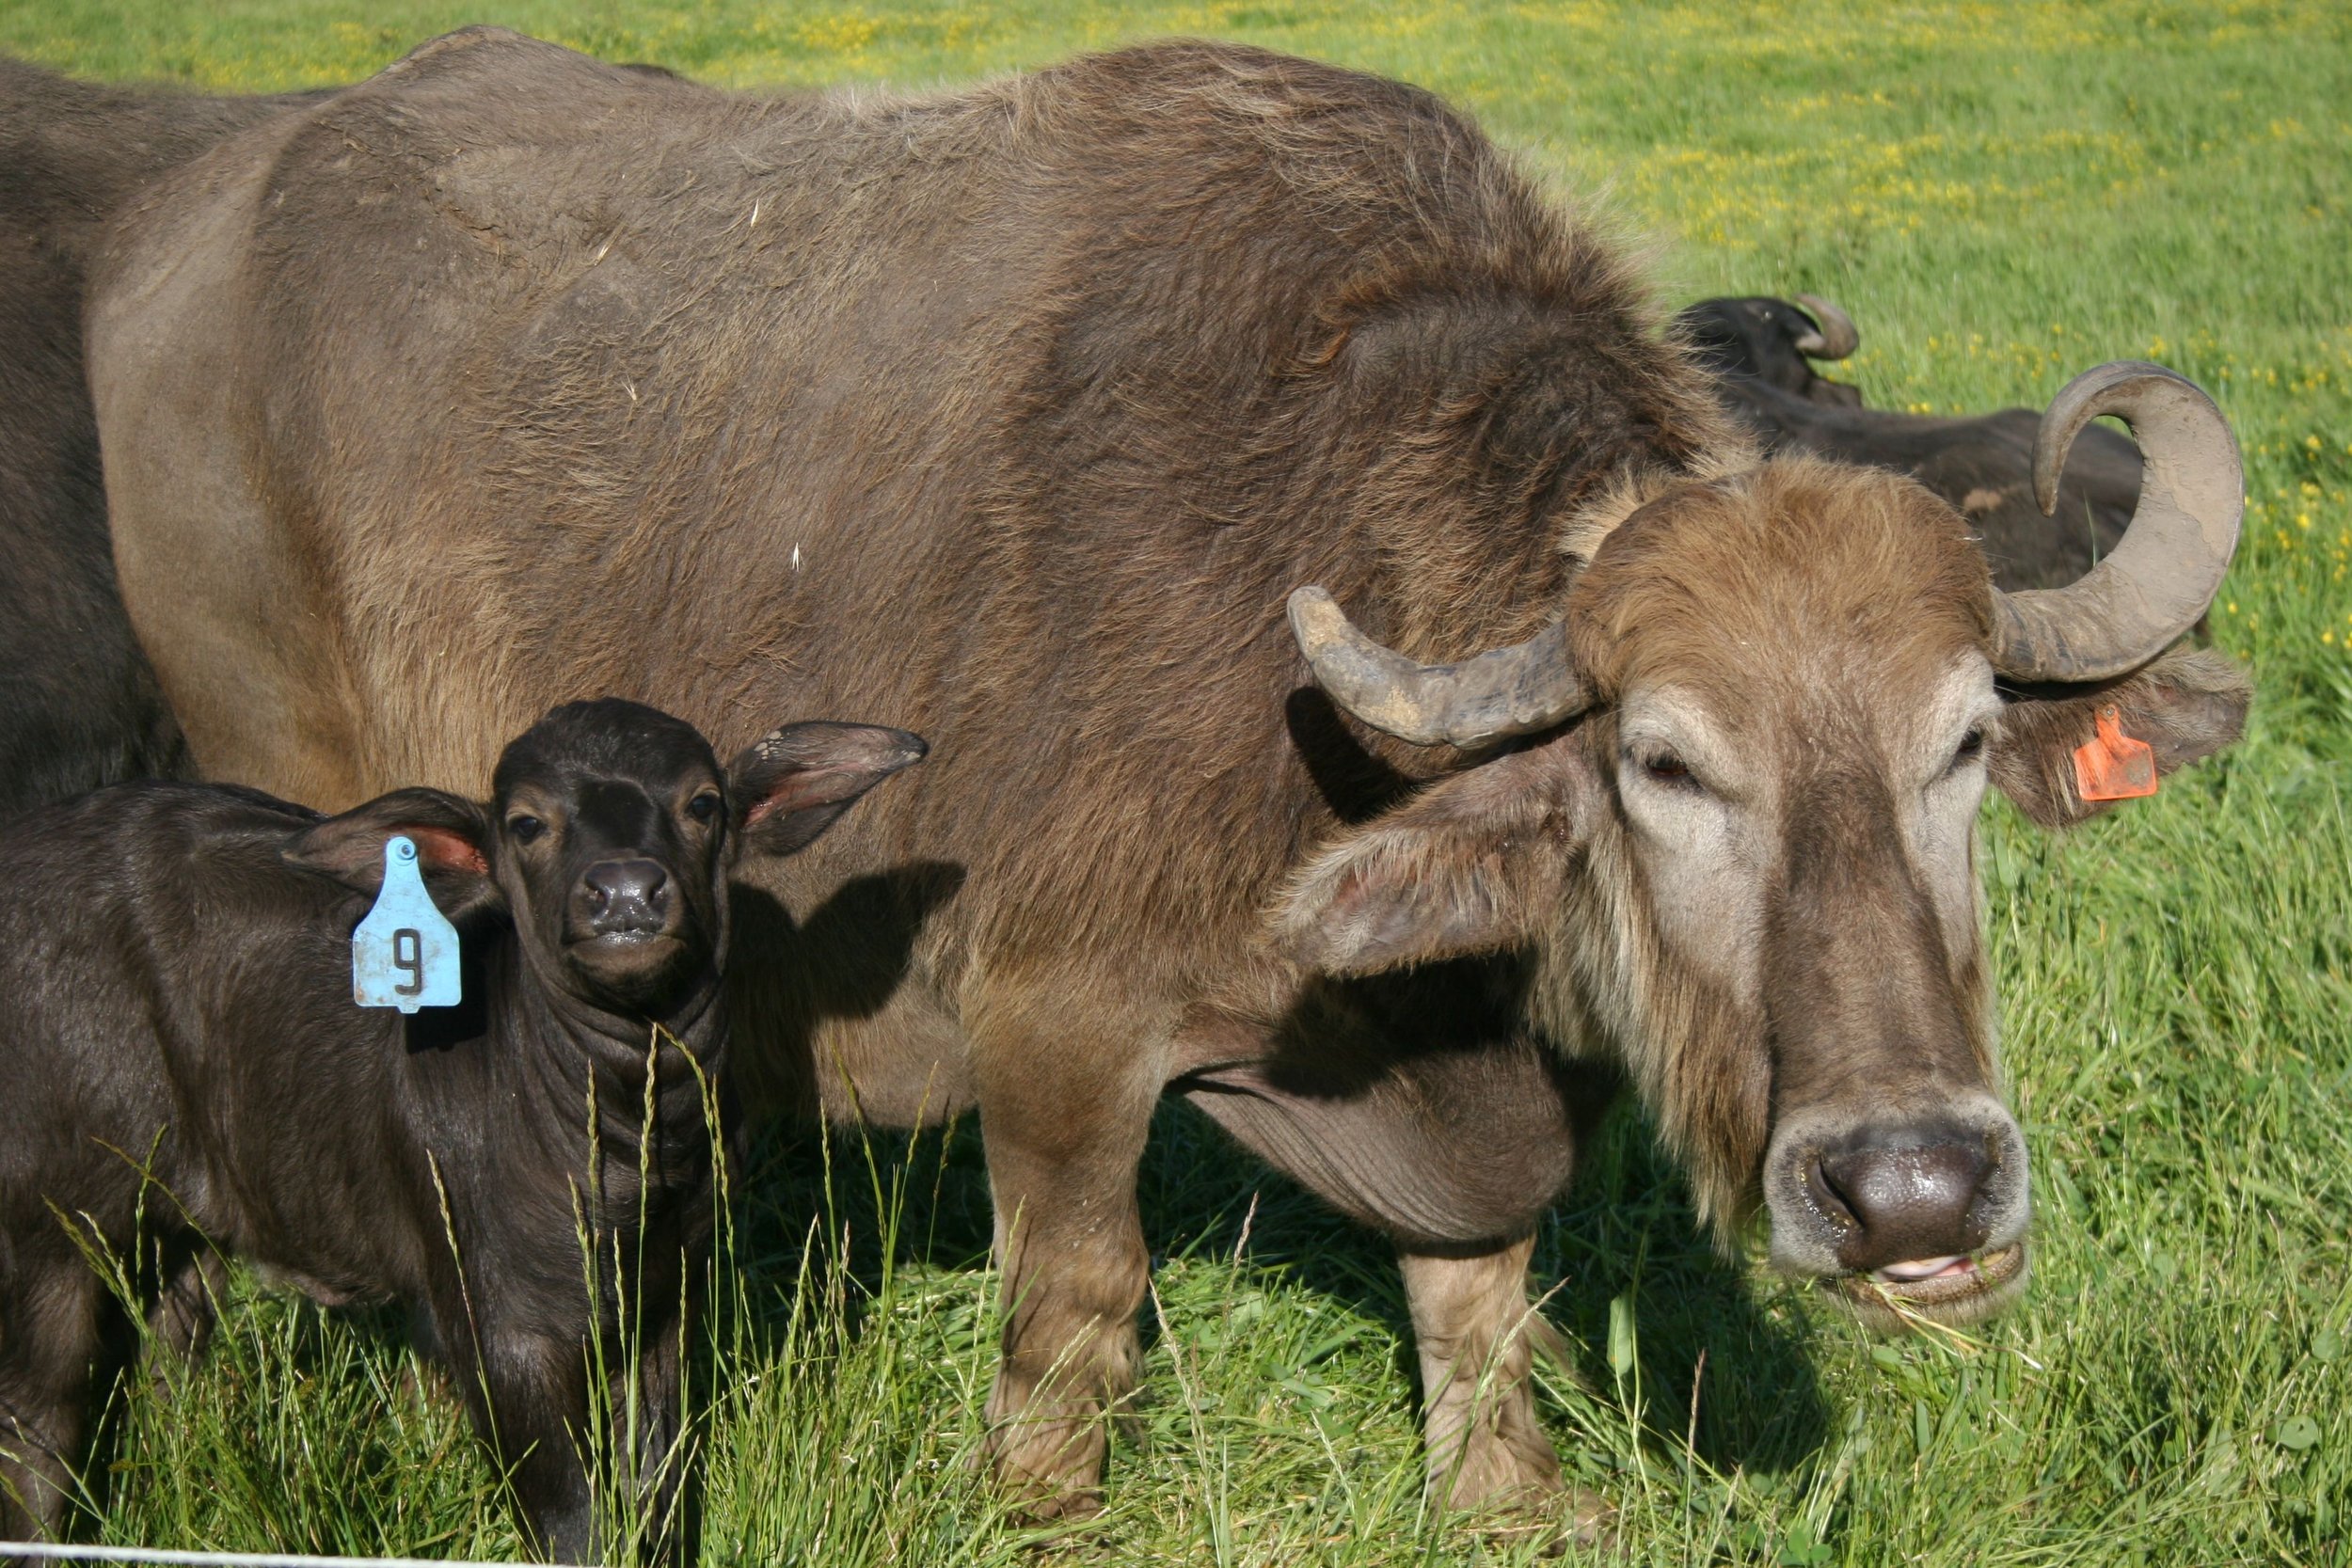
{"points": [[451, 836], [1474, 864], [794, 785], [2186, 704]]}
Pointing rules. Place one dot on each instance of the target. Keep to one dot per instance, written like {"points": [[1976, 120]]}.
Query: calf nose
{"points": [[1909, 1198], [626, 897]]}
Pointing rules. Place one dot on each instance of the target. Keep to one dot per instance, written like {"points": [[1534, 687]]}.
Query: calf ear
{"points": [[1474, 864], [2190, 704], [791, 786], [453, 840]]}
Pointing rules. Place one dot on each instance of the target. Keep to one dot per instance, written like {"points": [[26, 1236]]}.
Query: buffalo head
{"points": [[609, 838], [1774, 342], [1727, 803]]}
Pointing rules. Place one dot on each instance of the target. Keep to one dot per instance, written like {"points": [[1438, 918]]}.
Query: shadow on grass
{"points": [[871, 1199]]}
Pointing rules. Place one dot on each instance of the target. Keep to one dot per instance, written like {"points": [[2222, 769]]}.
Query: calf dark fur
{"points": [[187, 1077], [1981, 464]]}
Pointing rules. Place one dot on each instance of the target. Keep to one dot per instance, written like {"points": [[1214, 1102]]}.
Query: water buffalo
{"points": [[1761, 352], [183, 1070], [1774, 341], [78, 702], [1019, 414], [79, 706]]}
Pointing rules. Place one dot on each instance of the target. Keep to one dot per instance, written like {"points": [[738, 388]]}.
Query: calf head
{"points": [[608, 840], [1733, 822]]}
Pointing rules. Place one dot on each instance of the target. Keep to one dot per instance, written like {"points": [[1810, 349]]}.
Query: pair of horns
{"points": [[2126, 611]]}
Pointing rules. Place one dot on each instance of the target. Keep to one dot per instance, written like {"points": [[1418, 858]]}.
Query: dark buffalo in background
{"points": [[1761, 352], [79, 706], [1774, 341]]}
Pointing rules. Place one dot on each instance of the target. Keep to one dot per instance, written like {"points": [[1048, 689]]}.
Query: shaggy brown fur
{"points": [[1012, 414]]}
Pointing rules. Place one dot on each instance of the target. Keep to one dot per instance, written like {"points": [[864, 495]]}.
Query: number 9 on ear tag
{"points": [[403, 955]]}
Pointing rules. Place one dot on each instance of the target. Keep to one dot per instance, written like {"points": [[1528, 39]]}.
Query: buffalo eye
{"points": [[1971, 748], [525, 828], [1667, 770], [703, 807]]}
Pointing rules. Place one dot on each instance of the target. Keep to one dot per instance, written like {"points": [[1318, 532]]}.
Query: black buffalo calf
{"points": [[184, 1071]]}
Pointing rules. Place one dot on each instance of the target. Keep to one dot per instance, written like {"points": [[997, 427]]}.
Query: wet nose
{"points": [[1908, 1197], [624, 897]]}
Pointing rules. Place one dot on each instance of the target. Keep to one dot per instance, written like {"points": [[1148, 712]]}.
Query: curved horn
{"points": [[2166, 570], [1838, 336], [1529, 685]]}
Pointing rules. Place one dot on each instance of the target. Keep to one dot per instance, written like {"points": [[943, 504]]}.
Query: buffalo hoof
{"points": [[1508, 1486], [1049, 1472], [1034, 1509], [1555, 1517]]}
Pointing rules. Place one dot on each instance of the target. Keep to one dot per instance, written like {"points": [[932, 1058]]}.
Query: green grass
{"points": [[2001, 196]]}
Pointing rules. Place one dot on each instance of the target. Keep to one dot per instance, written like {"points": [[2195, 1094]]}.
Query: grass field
{"points": [[2001, 195]]}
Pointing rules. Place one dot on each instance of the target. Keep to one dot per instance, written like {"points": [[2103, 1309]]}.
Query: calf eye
{"points": [[525, 829], [703, 807]]}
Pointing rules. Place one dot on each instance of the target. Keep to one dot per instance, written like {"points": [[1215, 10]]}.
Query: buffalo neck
{"points": [[562, 1054]]}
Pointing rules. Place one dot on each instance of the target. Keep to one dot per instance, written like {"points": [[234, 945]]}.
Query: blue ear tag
{"points": [[403, 955]]}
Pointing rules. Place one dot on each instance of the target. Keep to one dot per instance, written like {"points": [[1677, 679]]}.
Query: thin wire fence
{"points": [[64, 1552]]}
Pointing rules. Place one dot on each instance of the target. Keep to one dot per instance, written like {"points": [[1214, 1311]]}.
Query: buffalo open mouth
{"points": [[1942, 1291], [619, 939]]}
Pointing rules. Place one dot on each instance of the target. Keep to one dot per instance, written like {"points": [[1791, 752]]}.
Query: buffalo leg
{"points": [[1062, 1159], [649, 1444], [1455, 1154], [528, 1397], [1476, 1333], [180, 1323], [50, 1342]]}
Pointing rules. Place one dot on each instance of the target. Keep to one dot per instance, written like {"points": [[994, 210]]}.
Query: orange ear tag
{"points": [[2114, 766]]}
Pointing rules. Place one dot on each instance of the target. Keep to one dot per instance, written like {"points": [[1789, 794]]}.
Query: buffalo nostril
{"points": [[1909, 1198], [631, 896], [637, 879], [1826, 1197]]}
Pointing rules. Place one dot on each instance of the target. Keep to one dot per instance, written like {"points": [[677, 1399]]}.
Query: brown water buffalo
{"points": [[1761, 352], [78, 702], [1017, 414]]}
